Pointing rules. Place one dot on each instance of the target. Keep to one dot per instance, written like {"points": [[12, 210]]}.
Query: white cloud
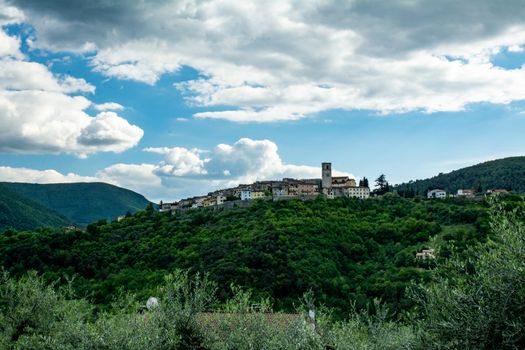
{"points": [[109, 132], [108, 106], [9, 46], [38, 114], [516, 48], [285, 60], [24, 75], [10, 174], [180, 161]]}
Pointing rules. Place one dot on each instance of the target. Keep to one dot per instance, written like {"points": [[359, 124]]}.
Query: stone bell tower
{"points": [[326, 169]]}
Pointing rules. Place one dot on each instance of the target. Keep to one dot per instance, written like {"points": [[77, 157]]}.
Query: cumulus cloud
{"points": [[108, 106], [11, 174], [285, 60], [40, 114], [9, 46], [180, 161], [109, 132]]}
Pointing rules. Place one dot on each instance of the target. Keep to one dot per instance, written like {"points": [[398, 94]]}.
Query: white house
{"points": [[437, 193], [357, 192], [246, 195], [221, 199], [426, 254]]}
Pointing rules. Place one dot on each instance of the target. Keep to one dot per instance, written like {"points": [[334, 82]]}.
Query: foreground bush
{"points": [[37, 316], [479, 303]]}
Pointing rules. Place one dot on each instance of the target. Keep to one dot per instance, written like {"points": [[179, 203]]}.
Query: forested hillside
{"points": [[506, 173], [474, 300], [82, 203], [345, 249], [22, 213]]}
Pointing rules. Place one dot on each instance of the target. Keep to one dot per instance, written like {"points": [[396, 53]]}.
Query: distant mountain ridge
{"points": [[18, 212], [506, 173], [81, 203]]}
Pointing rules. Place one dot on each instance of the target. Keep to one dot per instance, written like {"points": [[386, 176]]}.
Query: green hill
{"points": [[82, 203], [506, 173], [344, 249], [21, 213]]}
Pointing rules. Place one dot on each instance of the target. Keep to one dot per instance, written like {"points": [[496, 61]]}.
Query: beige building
{"points": [[343, 181], [220, 199], [257, 194], [209, 201]]}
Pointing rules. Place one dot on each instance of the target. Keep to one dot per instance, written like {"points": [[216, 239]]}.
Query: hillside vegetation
{"points": [[19, 212], [82, 203], [345, 250], [474, 300], [506, 173]]}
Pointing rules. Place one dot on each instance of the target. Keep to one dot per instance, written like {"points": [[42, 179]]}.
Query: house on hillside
{"points": [[468, 193], [437, 193], [280, 190], [246, 195], [164, 207], [343, 181], [209, 201], [220, 199], [426, 254]]}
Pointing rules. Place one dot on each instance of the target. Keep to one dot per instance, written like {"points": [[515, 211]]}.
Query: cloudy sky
{"points": [[177, 98]]}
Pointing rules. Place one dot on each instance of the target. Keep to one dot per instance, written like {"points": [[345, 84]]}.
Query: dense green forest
{"points": [[346, 250], [80, 203], [21, 213], [506, 173], [472, 300]]}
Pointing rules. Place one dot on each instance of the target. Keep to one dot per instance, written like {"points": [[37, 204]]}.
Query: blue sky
{"points": [[180, 98]]}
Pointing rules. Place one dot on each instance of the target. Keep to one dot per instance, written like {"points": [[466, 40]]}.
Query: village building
{"points": [[220, 199], [468, 193], [425, 254], [343, 181], [437, 193], [357, 192], [280, 190], [246, 195], [258, 194], [209, 201]]}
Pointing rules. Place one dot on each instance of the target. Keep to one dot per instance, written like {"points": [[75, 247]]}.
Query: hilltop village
{"points": [[287, 188]]}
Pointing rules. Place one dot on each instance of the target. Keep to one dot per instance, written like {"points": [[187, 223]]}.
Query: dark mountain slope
{"points": [[19, 212], [82, 203]]}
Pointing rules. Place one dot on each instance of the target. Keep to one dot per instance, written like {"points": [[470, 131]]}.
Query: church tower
{"points": [[326, 169]]}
